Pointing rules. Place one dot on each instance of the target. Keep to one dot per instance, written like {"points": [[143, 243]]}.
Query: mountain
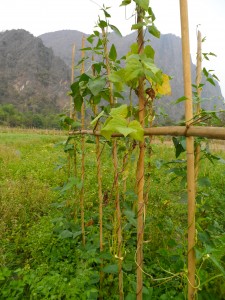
{"points": [[32, 78], [168, 57], [35, 71]]}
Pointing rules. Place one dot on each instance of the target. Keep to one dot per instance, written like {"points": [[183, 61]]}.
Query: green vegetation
{"points": [[10, 116], [42, 256]]}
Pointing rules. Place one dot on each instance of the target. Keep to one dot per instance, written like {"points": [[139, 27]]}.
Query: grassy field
{"points": [[41, 253]]}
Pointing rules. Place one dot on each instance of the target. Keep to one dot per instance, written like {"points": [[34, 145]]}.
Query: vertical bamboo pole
{"points": [[71, 105], [73, 116], [116, 177], [198, 105], [99, 176], [190, 148], [140, 166], [72, 80], [82, 155], [100, 194]]}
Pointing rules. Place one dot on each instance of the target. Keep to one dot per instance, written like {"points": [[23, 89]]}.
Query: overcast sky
{"points": [[41, 16]]}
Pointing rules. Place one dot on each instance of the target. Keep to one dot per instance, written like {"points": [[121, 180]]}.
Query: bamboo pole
{"points": [[71, 106], [190, 148], [140, 166], [100, 194], [198, 104], [99, 176], [100, 197], [82, 155], [116, 176], [217, 133], [72, 80], [73, 116], [149, 153]]}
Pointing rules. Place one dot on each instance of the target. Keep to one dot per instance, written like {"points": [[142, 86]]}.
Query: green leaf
{"points": [[96, 33], [138, 133], [113, 269], [65, 234], [128, 266], [76, 234], [113, 125], [143, 3], [97, 67], [214, 76], [72, 182], [102, 24], [113, 53], [125, 2], [151, 14], [204, 181], [90, 39], [217, 264], [93, 122], [115, 29], [77, 98], [96, 99], [213, 54], [118, 95], [84, 77], [134, 48], [149, 51], [124, 130], [137, 26], [205, 72], [181, 99], [131, 296], [130, 215], [117, 76], [107, 15], [120, 111], [134, 68], [154, 31], [96, 85], [85, 49], [149, 65], [178, 146], [210, 80]]}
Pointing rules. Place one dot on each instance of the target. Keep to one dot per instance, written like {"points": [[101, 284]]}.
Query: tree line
{"points": [[10, 116]]}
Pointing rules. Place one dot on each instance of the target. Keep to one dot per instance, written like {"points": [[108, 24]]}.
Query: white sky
{"points": [[41, 16]]}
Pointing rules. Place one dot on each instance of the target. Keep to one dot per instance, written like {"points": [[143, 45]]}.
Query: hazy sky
{"points": [[41, 16]]}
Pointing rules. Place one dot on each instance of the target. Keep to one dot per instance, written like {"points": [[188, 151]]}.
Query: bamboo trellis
{"points": [[189, 131]]}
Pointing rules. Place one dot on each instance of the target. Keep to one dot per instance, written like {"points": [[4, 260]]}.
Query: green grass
{"points": [[42, 256]]}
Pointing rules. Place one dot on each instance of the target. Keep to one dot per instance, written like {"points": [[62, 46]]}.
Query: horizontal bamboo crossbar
{"points": [[217, 133]]}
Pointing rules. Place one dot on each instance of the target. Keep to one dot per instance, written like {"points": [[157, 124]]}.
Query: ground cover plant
{"points": [[42, 254]]}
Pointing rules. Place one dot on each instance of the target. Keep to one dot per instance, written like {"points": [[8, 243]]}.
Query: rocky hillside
{"points": [[168, 57], [35, 72], [31, 77]]}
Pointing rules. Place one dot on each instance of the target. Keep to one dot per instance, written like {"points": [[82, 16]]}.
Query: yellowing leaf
{"points": [[165, 88]]}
